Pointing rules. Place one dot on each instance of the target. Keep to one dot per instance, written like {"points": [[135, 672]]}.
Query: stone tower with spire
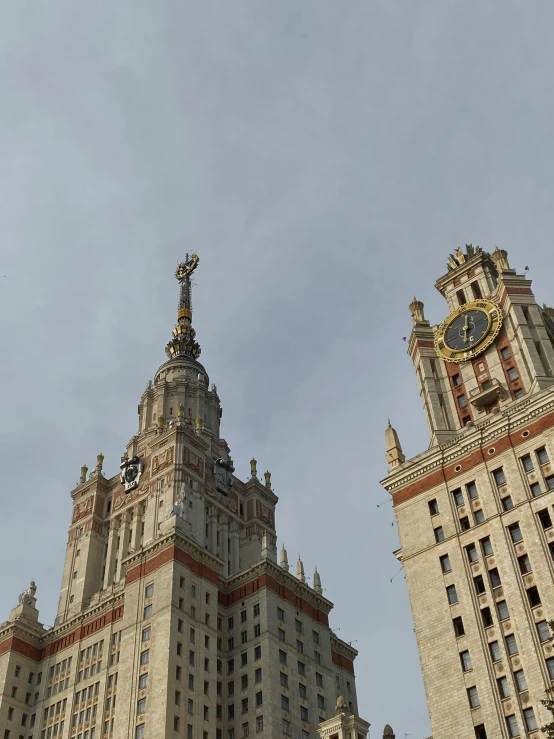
{"points": [[475, 510], [174, 616]]}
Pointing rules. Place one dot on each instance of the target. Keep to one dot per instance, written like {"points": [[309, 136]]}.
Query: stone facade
{"points": [[475, 512], [174, 617]]}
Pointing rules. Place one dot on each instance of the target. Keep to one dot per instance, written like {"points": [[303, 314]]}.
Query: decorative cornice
{"points": [[472, 439]]}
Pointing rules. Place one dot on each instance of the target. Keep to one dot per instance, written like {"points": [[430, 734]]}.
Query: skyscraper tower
{"points": [[475, 509], [175, 618]]}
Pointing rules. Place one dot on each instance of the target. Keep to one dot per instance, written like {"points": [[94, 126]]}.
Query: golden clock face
{"points": [[468, 331], [548, 324]]}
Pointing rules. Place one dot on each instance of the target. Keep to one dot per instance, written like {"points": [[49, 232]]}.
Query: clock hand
{"points": [[465, 328]]}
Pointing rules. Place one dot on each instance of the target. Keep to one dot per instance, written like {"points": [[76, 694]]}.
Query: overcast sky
{"points": [[323, 158]]}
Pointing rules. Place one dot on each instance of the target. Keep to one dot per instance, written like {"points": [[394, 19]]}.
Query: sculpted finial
{"points": [[253, 469], [267, 476], [416, 310], [84, 470]]}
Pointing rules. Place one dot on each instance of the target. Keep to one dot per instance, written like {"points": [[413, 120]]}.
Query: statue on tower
{"points": [[27, 597]]}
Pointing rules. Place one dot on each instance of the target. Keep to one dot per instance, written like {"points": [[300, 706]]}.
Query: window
{"points": [[143, 681], [206, 687], [303, 713], [191, 657], [458, 626], [147, 613], [452, 595], [513, 729], [480, 732], [458, 496], [245, 730], [494, 576], [464, 523], [535, 489], [534, 597], [544, 518], [549, 482], [315, 637], [244, 659], [503, 687], [507, 503], [472, 491], [259, 723], [518, 393], [524, 563], [286, 727], [512, 373], [244, 705], [496, 652], [301, 668], [282, 657], [486, 615], [243, 637], [230, 711], [530, 720], [527, 463], [298, 626], [542, 456], [505, 353], [257, 630], [479, 584], [486, 546], [302, 692], [439, 534], [550, 666], [243, 682], [299, 646], [146, 634], [256, 610], [456, 380], [257, 652], [465, 659], [145, 657], [258, 675], [471, 551], [445, 563], [319, 680], [479, 516], [141, 705], [231, 643], [243, 616], [139, 732], [521, 682], [473, 697], [282, 635], [515, 533], [502, 608], [499, 477], [511, 644], [433, 507], [280, 614], [284, 680], [284, 703], [462, 401], [179, 649], [543, 631]]}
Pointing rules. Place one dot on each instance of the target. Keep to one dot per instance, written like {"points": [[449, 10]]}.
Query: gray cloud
{"points": [[323, 159]]}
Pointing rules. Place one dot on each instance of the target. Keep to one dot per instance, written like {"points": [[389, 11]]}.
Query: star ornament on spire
{"points": [[184, 341]]}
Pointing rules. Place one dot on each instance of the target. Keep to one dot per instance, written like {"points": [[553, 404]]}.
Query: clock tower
{"points": [[475, 510]]}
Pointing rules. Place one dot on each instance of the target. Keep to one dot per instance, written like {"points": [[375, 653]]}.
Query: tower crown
{"points": [[183, 343]]}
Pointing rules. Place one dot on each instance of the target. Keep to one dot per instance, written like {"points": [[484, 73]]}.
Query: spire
{"points": [[388, 733], [284, 559], [395, 456], [183, 342], [500, 258], [317, 582], [300, 570]]}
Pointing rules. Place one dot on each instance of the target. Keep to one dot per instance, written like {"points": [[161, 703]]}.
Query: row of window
{"points": [[258, 725]]}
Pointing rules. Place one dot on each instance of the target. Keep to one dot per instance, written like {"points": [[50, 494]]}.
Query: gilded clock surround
{"points": [[493, 313]]}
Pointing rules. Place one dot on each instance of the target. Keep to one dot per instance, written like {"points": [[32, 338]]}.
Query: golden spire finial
{"points": [[183, 342]]}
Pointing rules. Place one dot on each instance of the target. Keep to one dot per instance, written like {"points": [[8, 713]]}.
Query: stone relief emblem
{"points": [[82, 509], [223, 476], [162, 460], [27, 597], [131, 472]]}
